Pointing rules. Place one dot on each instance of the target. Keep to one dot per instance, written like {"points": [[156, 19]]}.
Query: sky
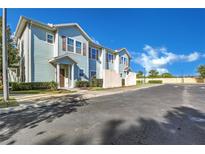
{"points": [[167, 40]]}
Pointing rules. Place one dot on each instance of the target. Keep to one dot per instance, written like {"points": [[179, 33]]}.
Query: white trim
{"points": [[58, 75], [81, 53], [72, 75], [67, 44]]}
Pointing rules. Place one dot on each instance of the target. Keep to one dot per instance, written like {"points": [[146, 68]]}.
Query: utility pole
{"points": [[144, 74], [5, 57]]}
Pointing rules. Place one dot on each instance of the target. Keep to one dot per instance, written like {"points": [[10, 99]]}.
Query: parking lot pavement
{"points": [[168, 114]]}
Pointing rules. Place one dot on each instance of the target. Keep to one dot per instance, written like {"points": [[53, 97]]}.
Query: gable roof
{"points": [[123, 49], [23, 22], [53, 27]]}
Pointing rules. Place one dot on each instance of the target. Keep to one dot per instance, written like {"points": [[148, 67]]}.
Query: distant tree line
{"points": [[155, 74]]}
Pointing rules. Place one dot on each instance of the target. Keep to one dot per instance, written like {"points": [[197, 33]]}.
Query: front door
{"points": [[62, 75]]}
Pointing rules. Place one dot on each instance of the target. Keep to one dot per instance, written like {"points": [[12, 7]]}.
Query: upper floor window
{"points": [[78, 47], [50, 38], [126, 61], [121, 60], [110, 58], [93, 53], [70, 43]]}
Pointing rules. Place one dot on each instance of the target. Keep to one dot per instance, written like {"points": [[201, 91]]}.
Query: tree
{"points": [[201, 71], [13, 57], [153, 73], [139, 74], [167, 75]]}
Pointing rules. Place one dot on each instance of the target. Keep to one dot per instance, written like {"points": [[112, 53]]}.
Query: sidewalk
{"points": [[39, 100], [84, 93]]}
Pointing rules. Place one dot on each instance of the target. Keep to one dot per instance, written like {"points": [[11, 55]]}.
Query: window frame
{"points": [[77, 47], [110, 57], [67, 40], [94, 49], [121, 60], [47, 34]]}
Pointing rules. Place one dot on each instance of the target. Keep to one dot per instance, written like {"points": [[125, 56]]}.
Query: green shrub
{"points": [[82, 83], [139, 82], [96, 82], [155, 81], [15, 86]]}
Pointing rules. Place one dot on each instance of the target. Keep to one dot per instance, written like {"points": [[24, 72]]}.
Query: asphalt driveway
{"points": [[168, 114]]}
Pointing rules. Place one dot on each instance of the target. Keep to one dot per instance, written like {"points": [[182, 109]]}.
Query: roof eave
{"points": [[22, 23]]}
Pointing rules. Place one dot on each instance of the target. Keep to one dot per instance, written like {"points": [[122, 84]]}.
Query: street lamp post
{"points": [[5, 57]]}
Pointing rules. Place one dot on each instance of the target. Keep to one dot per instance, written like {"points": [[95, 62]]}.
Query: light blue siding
{"points": [[41, 52], [109, 64], [94, 65], [122, 66], [81, 61]]}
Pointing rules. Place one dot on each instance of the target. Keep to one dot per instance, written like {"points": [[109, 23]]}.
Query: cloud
{"points": [[159, 58], [191, 57]]}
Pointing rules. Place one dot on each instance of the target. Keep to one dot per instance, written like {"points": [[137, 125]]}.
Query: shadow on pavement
{"points": [[183, 125], [31, 117]]}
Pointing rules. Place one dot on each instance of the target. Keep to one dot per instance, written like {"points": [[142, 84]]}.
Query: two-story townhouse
{"points": [[64, 53]]}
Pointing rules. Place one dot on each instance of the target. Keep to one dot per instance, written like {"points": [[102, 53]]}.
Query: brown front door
{"points": [[62, 74]]}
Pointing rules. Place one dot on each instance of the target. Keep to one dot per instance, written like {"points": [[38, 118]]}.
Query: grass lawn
{"points": [[41, 91], [11, 103], [96, 88], [140, 85]]}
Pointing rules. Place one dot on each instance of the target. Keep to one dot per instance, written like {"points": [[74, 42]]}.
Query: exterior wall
{"points": [[25, 40], [82, 62], [130, 79], [41, 53], [111, 79], [109, 64], [95, 65], [172, 80], [122, 66]]}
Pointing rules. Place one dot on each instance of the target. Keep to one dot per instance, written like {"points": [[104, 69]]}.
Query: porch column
{"points": [[58, 75], [72, 76]]}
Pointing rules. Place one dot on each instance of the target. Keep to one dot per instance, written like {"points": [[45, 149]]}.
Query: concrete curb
{"points": [[40, 103]]}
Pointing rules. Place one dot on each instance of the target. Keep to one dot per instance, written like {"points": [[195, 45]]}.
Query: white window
{"points": [[121, 60], [92, 74], [125, 61], [78, 47], [70, 44], [110, 58], [50, 38], [93, 53]]}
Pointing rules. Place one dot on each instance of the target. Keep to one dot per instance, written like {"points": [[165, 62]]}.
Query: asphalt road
{"points": [[168, 114]]}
